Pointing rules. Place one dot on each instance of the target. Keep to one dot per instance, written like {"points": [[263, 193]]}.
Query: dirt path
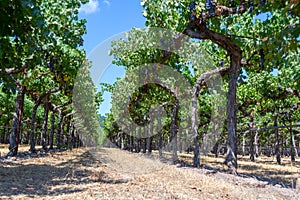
{"points": [[115, 174]]}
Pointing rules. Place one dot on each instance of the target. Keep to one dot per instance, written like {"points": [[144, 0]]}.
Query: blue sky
{"points": [[106, 18]]}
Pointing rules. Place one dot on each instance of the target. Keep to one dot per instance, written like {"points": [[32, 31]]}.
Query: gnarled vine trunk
{"points": [[251, 125], [59, 128], [174, 129], [45, 122], [231, 157], [277, 152], [198, 29], [196, 160], [51, 138], [16, 123], [32, 128], [159, 128]]}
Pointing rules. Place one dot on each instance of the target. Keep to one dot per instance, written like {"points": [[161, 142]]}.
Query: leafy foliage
{"points": [[40, 53], [267, 33]]}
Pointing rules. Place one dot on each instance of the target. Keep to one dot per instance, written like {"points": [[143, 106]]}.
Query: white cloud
{"points": [[91, 7], [107, 2]]}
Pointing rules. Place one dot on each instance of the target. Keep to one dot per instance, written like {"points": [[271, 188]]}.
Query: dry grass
{"points": [[115, 174], [264, 167]]}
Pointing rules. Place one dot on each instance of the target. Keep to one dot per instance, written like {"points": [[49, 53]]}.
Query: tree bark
{"points": [[252, 146], [37, 103], [198, 29], [121, 139], [298, 147], [293, 150], [130, 139], [14, 133], [59, 128], [159, 128], [277, 152], [138, 140], [215, 149], [45, 123], [73, 139], [174, 129], [150, 133], [194, 112], [68, 134], [235, 57], [244, 145], [256, 143], [145, 139], [21, 109], [62, 132], [231, 157], [194, 121], [52, 131], [7, 136], [251, 137], [32, 131], [294, 146]]}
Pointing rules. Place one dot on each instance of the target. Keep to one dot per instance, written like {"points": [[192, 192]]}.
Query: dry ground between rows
{"points": [[115, 174]]}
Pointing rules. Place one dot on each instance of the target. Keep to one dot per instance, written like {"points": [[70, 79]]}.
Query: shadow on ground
{"points": [[20, 178], [277, 178]]}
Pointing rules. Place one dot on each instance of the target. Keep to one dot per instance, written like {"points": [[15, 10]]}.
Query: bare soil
{"points": [[109, 173]]}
